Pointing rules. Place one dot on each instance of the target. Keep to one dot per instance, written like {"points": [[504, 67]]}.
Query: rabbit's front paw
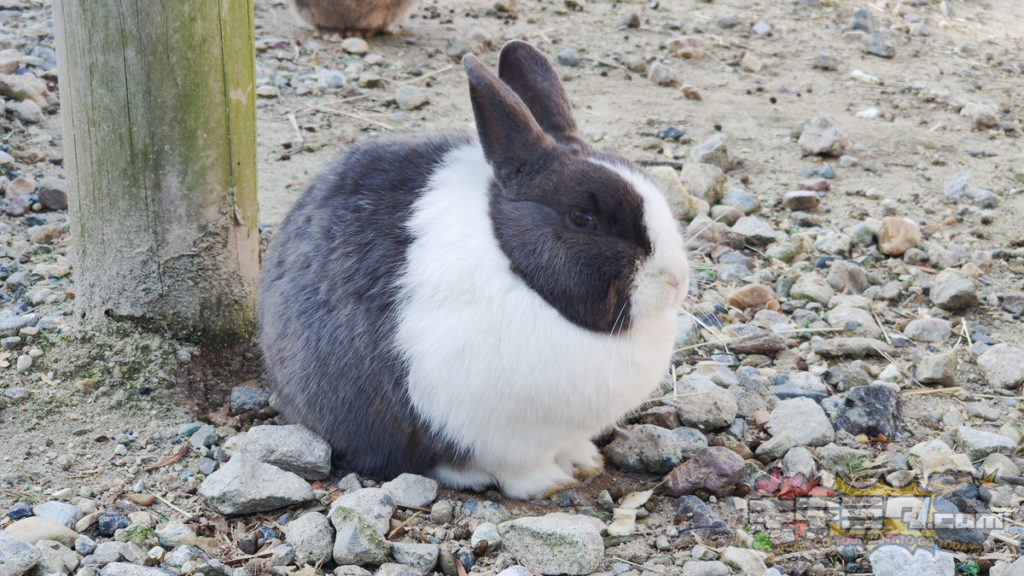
{"points": [[582, 460], [534, 483]]}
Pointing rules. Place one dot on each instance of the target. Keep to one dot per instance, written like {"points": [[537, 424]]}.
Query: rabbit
{"points": [[362, 17], [475, 309]]}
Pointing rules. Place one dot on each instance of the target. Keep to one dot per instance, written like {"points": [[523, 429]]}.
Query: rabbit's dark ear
{"points": [[510, 136], [531, 76]]}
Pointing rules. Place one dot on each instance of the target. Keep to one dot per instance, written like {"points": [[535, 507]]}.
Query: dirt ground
{"points": [[94, 388]]}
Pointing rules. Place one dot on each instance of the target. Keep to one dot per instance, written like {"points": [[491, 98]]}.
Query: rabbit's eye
{"points": [[582, 220]]}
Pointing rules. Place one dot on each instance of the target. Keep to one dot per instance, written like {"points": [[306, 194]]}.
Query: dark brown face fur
{"points": [[586, 274], [545, 185]]}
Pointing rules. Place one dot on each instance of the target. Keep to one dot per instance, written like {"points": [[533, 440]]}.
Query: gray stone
{"points": [[372, 504], [357, 542], [84, 545], [951, 291], [355, 45], [17, 394], [420, 557], [856, 320], [188, 429], [442, 512], [983, 115], [936, 369], [311, 537], [175, 533], [181, 554], [821, 136], [248, 399], [746, 560], [984, 199], [1002, 365], [712, 151], [891, 560], [486, 532], [706, 568], [862, 20], [727, 215], [515, 571], [955, 189], [55, 558], [854, 346], [16, 556], [742, 200], [568, 57], [997, 464], [687, 330], [752, 392], [872, 410], [813, 288], [834, 243], [60, 512], [245, 485], [703, 404], [836, 458], [11, 326], [267, 91], [865, 233], [983, 410], [705, 522], [949, 529], [27, 111], [802, 420], [684, 206], [785, 251], [293, 448], [758, 230], [715, 469], [395, 569], [282, 555], [802, 200], [411, 490], [978, 444], [410, 97], [126, 569], [205, 437], [349, 571], [878, 44], [847, 277], [649, 448], [798, 460], [557, 543], [796, 382], [110, 522], [486, 511], [934, 330], [662, 74], [705, 181]]}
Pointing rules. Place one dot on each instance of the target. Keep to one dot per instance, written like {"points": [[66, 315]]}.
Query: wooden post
{"points": [[159, 113]]}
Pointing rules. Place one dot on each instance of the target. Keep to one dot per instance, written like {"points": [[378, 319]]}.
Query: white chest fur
{"points": [[492, 366]]}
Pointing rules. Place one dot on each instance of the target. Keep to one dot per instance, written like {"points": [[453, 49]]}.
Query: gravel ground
{"points": [[850, 177]]}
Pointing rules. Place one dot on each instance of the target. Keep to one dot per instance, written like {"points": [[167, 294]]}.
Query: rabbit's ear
{"points": [[510, 136], [531, 76]]}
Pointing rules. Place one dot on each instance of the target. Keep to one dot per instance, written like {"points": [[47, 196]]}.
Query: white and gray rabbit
{"points": [[475, 309], [365, 17]]}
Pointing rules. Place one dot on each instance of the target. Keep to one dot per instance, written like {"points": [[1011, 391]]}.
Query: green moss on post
{"points": [[159, 114]]}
